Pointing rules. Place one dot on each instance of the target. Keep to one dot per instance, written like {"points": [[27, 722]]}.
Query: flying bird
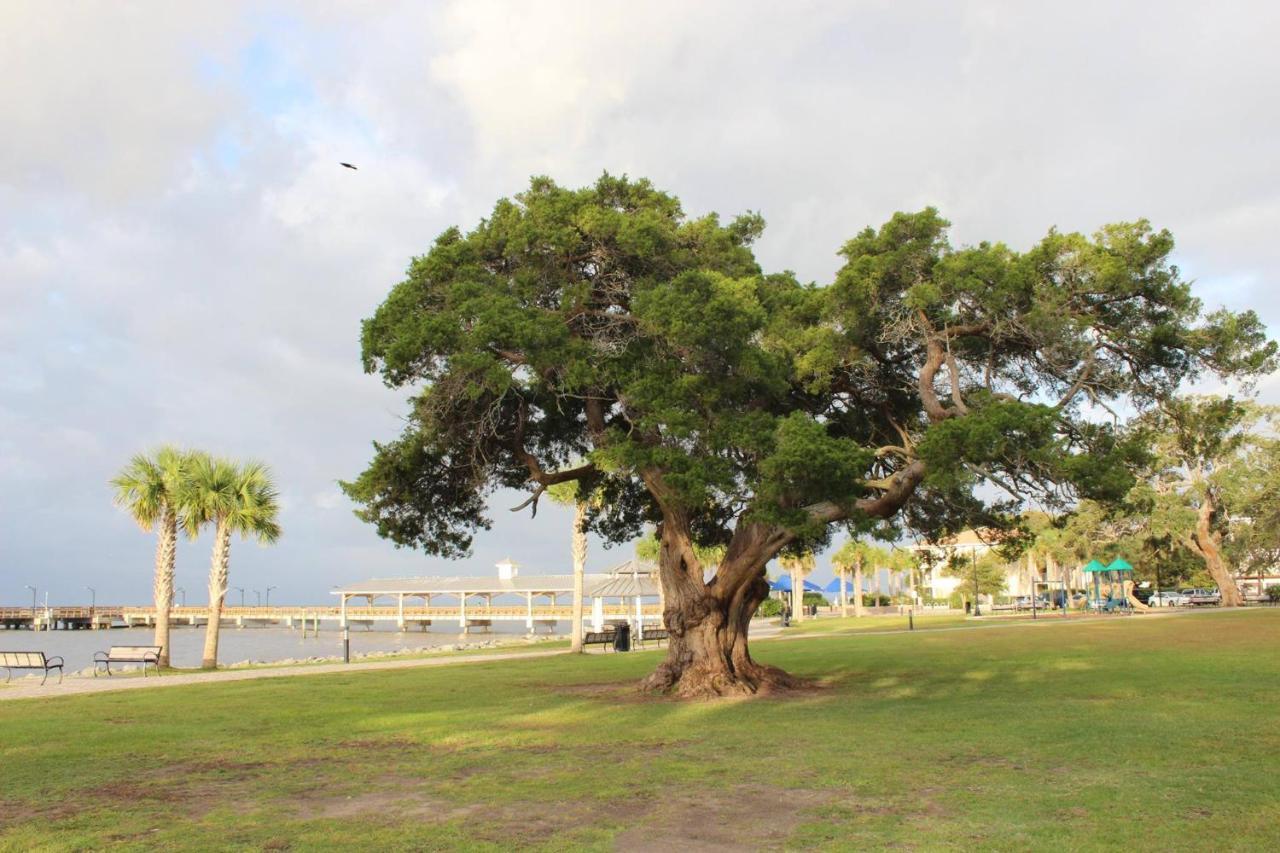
{"points": [[348, 165]]}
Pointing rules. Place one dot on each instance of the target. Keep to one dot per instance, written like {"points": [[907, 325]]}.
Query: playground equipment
{"points": [[1111, 587]]}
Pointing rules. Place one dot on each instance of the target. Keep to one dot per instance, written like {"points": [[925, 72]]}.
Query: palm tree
{"points": [[843, 563], [799, 566], [234, 499], [567, 494], [855, 554], [150, 488]]}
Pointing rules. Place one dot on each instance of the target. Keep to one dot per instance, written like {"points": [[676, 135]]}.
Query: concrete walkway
{"points": [[79, 685]]}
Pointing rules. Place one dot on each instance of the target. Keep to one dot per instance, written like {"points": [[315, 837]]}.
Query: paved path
{"points": [[102, 684]]}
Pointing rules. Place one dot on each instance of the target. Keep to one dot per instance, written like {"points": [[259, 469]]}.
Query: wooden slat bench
{"points": [[128, 654], [602, 638], [655, 634], [10, 661]]}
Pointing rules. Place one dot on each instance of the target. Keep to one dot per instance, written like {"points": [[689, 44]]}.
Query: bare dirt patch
{"points": [[391, 743], [515, 824], [751, 817], [396, 803]]}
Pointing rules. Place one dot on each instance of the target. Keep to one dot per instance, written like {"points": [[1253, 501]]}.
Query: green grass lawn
{"points": [[1154, 733], [827, 624]]}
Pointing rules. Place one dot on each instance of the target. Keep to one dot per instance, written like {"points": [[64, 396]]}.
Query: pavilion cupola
{"points": [[507, 569]]}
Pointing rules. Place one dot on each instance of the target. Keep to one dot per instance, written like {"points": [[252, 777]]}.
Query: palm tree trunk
{"points": [[166, 555], [1063, 574], [844, 592], [857, 586], [797, 596], [218, 572], [579, 570]]}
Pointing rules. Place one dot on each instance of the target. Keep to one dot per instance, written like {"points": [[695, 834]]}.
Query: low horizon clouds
{"points": [[183, 259]]}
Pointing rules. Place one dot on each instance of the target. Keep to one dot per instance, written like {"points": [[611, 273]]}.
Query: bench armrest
{"points": [[101, 657], [151, 657], [50, 661]]}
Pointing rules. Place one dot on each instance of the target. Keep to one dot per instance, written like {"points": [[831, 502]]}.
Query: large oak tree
{"points": [[600, 335], [1210, 483]]}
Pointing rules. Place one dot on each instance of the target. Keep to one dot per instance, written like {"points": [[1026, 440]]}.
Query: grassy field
{"points": [[1155, 733], [849, 624]]}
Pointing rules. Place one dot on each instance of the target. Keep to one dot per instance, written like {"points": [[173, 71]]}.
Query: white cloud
{"points": [[327, 500], [109, 99]]}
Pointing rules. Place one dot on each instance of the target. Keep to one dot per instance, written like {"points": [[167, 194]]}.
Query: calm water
{"points": [[248, 644]]}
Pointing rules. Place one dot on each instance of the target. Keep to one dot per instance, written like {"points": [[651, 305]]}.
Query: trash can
{"points": [[622, 638]]}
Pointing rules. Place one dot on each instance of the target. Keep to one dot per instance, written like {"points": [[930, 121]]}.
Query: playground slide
{"points": [[1137, 605]]}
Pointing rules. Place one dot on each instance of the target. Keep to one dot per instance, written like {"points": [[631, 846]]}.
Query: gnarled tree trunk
{"points": [[708, 623], [218, 571], [1208, 544], [166, 554]]}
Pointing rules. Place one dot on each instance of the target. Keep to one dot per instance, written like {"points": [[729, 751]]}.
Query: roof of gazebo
{"points": [[595, 585]]}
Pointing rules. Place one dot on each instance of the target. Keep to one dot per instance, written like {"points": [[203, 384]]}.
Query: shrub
{"points": [[769, 607], [1273, 593]]}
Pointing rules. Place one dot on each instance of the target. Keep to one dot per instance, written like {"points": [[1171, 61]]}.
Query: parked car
{"points": [[1023, 602], [1200, 596], [1167, 598]]}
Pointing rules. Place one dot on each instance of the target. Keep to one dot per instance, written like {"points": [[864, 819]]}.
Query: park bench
{"points": [[128, 654], [10, 661], [602, 638], [655, 634]]}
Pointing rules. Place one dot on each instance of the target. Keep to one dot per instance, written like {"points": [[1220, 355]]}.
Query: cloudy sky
{"points": [[182, 259]]}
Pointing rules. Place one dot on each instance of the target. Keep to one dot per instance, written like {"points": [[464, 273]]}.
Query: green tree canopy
{"points": [[729, 405], [1206, 481], [986, 574]]}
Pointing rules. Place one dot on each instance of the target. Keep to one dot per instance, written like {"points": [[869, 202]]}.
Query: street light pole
{"points": [[241, 594], [93, 600], [269, 594], [973, 557], [258, 594], [182, 592]]}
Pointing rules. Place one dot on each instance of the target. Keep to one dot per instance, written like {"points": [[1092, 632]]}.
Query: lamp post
{"points": [[182, 592], [93, 600], [973, 557], [258, 594], [346, 633], [241, 589], [269, 594]]}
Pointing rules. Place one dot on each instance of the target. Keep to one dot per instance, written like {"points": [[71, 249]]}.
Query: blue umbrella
{"points": [[783, 584], [834, 586]]}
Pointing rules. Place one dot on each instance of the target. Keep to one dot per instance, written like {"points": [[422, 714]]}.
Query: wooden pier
{"points": [[403, 617], [58, 618]]}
